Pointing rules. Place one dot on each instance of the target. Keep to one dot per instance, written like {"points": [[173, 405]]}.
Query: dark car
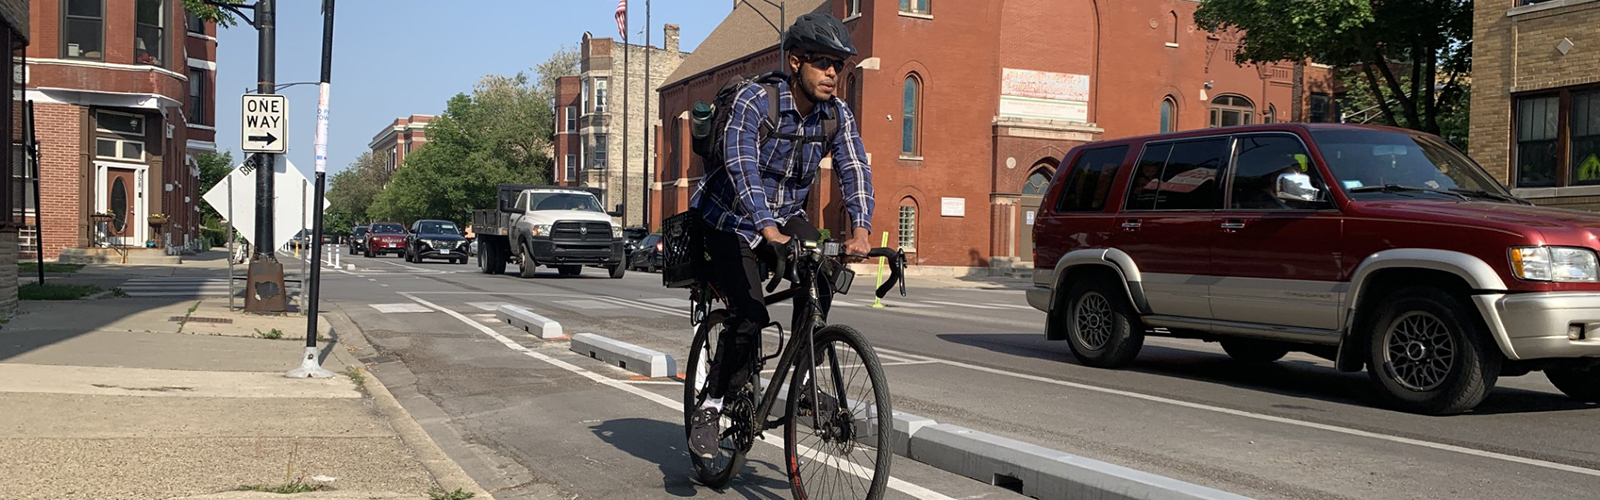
{"points": [[358, 239], [385, 237], [647, 256], [436, 239]]}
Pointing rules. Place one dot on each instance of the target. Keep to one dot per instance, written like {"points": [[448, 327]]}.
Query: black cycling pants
{"points": [[737, 274]]}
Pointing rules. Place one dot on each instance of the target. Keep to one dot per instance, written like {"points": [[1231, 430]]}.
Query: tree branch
{"points": [[1377, 94], [1408, 104], [1432, 101]]}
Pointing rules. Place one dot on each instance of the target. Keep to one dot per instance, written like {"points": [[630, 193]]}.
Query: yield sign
{"points": [[291, 201], [264, 123]]}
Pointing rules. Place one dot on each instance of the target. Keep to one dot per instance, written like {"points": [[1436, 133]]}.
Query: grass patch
{"points": [[289, 488], [273, 334], [49, 267], [438, 494], [356, 376], [47, 291]]}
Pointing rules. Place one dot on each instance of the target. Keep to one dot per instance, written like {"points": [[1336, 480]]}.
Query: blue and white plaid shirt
{"points": [[764, 185]]}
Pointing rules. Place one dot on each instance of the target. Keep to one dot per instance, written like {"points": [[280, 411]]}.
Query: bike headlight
{"points": [[1564, 264], [541, 229]]}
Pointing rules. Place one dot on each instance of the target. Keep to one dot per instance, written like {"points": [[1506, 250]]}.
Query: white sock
{"points": [[712, 403]]}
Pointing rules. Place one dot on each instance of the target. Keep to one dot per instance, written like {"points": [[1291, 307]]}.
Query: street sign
{"points": [[264, 123], [291, 200]]}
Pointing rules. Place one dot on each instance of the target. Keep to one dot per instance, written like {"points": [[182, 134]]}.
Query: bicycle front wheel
{"points": [[835, 442], [716, 471]]}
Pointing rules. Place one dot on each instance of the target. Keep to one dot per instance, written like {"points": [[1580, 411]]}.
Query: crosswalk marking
{"points": [[176, 287], [408, 307], [675, 303], [488, 306]]}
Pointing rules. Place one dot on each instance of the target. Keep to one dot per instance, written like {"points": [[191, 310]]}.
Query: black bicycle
{"points": [[837, 404]]}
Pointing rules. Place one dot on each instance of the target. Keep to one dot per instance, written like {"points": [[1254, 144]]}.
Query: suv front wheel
{"points": [[1102, 330], [1428, 353]]}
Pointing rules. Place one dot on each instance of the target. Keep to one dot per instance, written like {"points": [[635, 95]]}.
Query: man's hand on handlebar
{"points": [[772, 235], [857, 245]]}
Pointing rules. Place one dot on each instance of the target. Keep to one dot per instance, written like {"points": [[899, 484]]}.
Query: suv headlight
{"points": [[1555, 264], [541, 229]]}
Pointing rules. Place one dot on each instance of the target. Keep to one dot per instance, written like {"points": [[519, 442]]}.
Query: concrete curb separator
{"points": [[539, 326], [1042, 472], [653, 364], [445, 471]]}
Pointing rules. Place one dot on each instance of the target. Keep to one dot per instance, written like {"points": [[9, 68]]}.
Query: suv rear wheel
{"points": [[1102, 330], [1579, 384], [1254, 351], [1428, 353]]}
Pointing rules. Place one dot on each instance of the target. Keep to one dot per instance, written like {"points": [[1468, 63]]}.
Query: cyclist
{"points": [[759, 195]]}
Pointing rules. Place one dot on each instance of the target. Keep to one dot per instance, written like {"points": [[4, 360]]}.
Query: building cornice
{"points": [[106, 65]]}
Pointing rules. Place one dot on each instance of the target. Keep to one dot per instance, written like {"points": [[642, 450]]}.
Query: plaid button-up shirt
{"points": [[764, 185]]}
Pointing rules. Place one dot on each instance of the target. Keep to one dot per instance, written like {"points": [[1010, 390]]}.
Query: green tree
{"points": [[213, 168], [205, 12], [500, 133], [1410, 57], [351, 191]]}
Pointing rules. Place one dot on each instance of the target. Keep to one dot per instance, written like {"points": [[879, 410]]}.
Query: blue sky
{"points": [[394, 58]]}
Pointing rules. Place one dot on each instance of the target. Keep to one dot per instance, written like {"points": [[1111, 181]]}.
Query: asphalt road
{"points": [[973, 356]]}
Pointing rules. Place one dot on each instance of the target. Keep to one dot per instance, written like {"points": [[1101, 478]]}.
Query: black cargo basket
{"points": [[681, 240]]}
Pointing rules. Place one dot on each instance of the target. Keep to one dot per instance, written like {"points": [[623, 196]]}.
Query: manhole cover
{"points": [[192, 319]]}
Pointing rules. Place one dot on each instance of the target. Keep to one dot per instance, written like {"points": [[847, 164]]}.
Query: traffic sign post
{"points": [[264, 123]]}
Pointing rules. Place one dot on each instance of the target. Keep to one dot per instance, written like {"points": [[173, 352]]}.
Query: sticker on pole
{"points": [[264, 124]]}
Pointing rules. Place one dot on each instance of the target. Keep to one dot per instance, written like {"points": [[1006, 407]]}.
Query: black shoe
{"points": [[704, 433]]}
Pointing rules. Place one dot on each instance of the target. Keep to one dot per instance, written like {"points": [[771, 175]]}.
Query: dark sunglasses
{"points": [[823, 62]]}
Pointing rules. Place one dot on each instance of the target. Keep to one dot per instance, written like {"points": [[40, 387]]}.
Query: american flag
{"points": [[622, 19]]}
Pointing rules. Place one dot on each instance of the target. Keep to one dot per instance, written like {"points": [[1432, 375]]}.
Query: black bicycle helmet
{"points": [[819, 33]]}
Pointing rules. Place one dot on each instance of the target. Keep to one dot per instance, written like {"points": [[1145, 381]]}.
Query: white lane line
{"points": [[488, 306], [957, 304], [1275, 419], [1010, 306], [674, 302], [895, 483], [586, 304]]}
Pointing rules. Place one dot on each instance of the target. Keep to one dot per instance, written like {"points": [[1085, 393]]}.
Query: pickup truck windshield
{"points": [[1396, 165], [564, 201], [437, 227]]}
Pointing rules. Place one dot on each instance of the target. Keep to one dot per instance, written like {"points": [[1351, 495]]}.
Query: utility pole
{"points": [[264, 292], [309, 367]]}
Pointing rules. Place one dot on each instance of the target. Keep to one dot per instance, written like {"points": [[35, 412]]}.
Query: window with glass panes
{"points": [[915, 6], [197, 96], [83, 29], [1230, 110], [150, 40], [908, 225], [120, 136], [1537, 137], [910, 126]]}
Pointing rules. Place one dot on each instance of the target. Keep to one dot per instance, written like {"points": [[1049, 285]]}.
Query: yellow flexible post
{"points": [[877, 303]]}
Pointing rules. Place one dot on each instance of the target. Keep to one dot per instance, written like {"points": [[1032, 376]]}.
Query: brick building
{"points": [[14, 21], [589, 113], [399, 138], [124, 97], [1535, 120], [967, 107]]}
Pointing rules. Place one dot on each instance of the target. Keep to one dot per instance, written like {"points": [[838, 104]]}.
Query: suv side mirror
{"points": [[1296, 186]]}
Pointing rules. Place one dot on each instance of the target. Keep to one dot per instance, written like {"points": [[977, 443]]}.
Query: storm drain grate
{"points": [[220, 321]]}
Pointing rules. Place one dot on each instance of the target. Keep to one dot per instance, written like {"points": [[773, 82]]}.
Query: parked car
{"points": [[647, 257], [386, 238], [358, 239], [435, 239], [1376, 248]]}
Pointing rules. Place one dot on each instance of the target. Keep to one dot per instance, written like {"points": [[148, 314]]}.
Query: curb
{"points": [[653, 364], [446, 472], [539, 326]]}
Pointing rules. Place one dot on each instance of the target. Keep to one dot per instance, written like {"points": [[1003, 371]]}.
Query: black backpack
{"points": [[708, 125]]}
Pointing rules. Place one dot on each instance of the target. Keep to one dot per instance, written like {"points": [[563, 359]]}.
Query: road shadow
{"points": [[663, 444], [1293, 378]]}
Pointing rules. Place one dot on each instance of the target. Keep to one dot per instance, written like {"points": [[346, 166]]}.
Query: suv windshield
{"points": [[1381, 164], [387, 229], [437, 227], [360, 231], [564, 201]]}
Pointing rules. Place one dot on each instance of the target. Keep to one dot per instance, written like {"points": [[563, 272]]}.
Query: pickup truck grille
{"points": [[587, 232]]}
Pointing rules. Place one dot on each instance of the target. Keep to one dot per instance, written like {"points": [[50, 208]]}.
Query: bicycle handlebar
{"points": [[834, 249]]}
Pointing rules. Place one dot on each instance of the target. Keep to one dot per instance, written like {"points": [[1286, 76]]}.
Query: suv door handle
{"points": [[1130, 224], [1233, 225]]}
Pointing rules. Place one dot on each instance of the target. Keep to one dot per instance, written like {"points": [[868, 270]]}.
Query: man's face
{"points": [[818, 74]]}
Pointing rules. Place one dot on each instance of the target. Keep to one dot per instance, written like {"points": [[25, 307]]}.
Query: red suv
{"points": [[1377, 248], [386, 237]]}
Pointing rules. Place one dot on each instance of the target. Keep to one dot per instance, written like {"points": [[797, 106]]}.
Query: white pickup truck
{"points": [[558, 227]]}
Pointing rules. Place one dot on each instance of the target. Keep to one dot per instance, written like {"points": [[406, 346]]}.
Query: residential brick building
{"points": [[591, 136], [1535, 120], [124, 95], [397, 140], [966, 108], [14, 25]]}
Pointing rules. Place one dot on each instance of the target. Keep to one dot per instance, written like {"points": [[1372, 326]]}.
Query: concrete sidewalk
{"points": [[169, 398]]}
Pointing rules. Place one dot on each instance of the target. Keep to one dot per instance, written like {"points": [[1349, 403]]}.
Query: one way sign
{"points": [[264, 126]]}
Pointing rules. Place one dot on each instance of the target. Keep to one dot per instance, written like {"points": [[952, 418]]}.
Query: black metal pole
{"points": [[38, 200], [266, 74], [321, 151], [649, 125], [627, 94]]}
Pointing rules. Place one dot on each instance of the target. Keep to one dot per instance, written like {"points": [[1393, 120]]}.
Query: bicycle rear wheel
{"points": [[831, 441], [716, 471]]}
